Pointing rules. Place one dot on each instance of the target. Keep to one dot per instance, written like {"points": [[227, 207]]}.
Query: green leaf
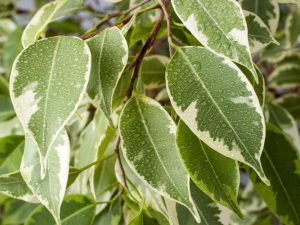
{"points": [[281, 163], [292, 104], [45, 95], [149, 146], [11, 151], [216, 175], [223, 111], [14, 186], [75, 209], [283, 120], [48, 13], [6, 109], [12, 48], [210, 212], [258, 32], [267, 10], [285, 76], [89, 141], [223, 33], [153, 70], [109, 58], [111, 215], [151, 200], [294, 24], [16, 212], [50, 187]]}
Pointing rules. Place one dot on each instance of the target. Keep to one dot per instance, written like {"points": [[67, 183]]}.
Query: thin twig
{"points": [[123, 21], [164, 6], [140, 57], [117, 150]]}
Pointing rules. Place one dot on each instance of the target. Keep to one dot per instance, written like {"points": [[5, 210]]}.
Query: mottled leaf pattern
{"points": [[283, 120], [75, 209], [223, 33], [285, 76], [14, 186], [50, 188], [217, 109], [149, 146], [216, 175], [258, 32], [109, 57], [292, 104], [267, 10], [44, 94], [281, 163]]}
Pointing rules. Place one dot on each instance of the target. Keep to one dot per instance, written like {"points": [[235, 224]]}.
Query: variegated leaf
{"points": [[50, 188], [75, 209], [267, 10], [258, 32], [45, 95], [50, 12], [285, 76], [281, 162], [283, 120], [223, 33], [109, 58], [216, 175], [210, 212], [14, 186], [223, 111], [292, 104], [148, 142]]}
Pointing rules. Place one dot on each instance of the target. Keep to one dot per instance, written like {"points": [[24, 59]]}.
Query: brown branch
{"points": [[117, 150], [164, 6], [141, 55]]}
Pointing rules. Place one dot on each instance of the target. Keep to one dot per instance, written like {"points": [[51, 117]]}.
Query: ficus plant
{"points": [[150, 112]]}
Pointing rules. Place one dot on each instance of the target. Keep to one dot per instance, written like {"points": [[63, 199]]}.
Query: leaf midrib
{"points": [[218, 26], [47, 95], [232, 203], [282, 185], [217, 106], [155, 150]]}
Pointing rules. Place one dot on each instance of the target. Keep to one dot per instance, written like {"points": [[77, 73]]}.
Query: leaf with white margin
{"points": [[293, 26], [151, 199], [216, 175], [223, 33], [44, 93], [109, 58], [149, 146], [258, 32], [14, 186], [281, 163], [291, 102], [50, 189], [267, 10], [48, 13], [210, 212], [283, 120], [75, 209], [223, 111], [285, 76]]}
